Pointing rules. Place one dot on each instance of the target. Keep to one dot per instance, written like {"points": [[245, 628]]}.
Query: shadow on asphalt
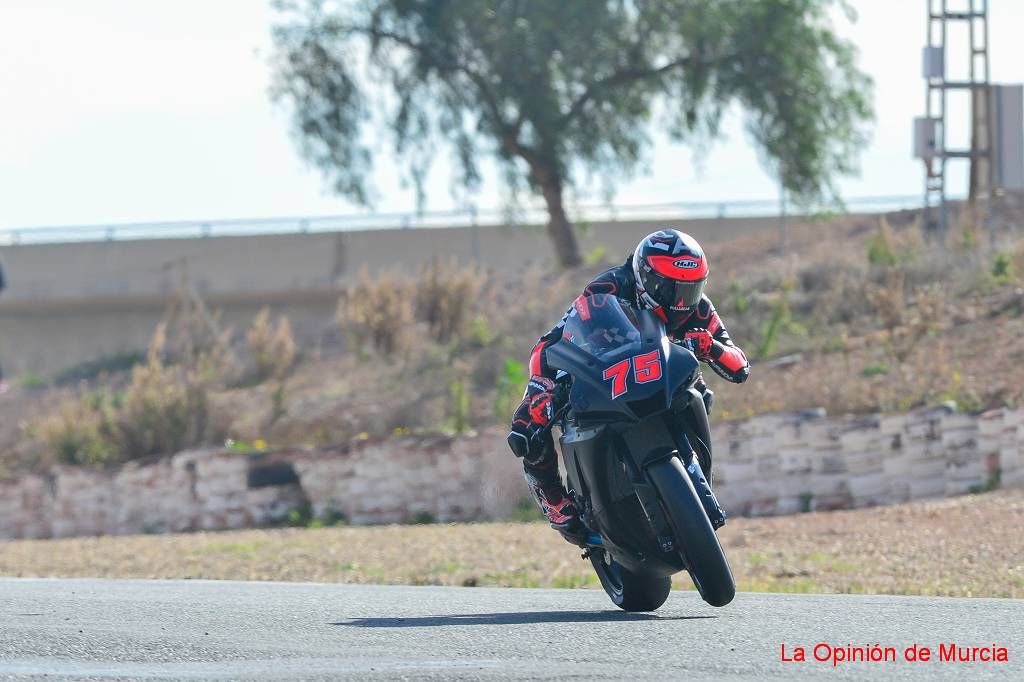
{"points": [[511, 618]]}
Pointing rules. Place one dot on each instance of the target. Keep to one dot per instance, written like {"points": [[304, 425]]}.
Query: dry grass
{"points": [[874, 316], [970, 546]]}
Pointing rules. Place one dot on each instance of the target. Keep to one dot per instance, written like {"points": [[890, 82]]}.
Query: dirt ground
{"points": [[968, 546]]}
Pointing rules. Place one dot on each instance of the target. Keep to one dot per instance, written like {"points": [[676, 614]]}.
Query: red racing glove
{"points": [[699, 341], [528, 438]]}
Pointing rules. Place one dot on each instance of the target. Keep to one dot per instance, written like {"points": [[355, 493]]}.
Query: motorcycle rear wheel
{"points": [[627, 590], [695, 536]]}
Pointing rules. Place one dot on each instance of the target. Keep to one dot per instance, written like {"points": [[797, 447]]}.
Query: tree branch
{"points": [[618, 78], [478, 80]]}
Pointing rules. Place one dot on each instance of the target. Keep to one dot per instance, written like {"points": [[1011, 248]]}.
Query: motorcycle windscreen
{"points": [[599, 325]]}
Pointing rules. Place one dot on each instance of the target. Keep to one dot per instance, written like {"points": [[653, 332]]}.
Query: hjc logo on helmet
{"points": [[686, 264]]}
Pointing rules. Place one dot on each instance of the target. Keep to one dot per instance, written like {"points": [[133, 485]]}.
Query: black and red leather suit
{"points": [[700, 328]]}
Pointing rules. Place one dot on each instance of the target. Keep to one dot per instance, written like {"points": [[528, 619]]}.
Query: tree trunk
{"points": [[559, 227]]}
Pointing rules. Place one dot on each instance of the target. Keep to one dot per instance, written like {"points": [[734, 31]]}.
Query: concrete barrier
{"points": [[75, 302], [773, 464]]}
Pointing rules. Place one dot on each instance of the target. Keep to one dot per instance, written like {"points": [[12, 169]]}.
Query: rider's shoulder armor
{"points": [[617, 281]]}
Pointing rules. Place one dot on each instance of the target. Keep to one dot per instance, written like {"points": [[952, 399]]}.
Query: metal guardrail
{"points": [[433, 219]]}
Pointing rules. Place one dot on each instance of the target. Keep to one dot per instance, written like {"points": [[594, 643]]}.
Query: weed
{"points": [[574, 581], [509, 388], [598, 255], [422, 517], [525, 511], [963, 397], [993, 482], [33, 381], [459, 395], [446, 297], [378, 313], [77, 435], [109, 364], [272, 346], [875, 369], [163, 411], [889, 299], [1002, 268], [301, 516], [781, 320]]}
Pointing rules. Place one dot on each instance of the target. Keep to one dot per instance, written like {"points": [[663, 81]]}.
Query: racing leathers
{"points": [[700, 329]]}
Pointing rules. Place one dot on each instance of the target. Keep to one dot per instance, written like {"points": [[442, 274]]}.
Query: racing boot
{"points": [[555, 504]]}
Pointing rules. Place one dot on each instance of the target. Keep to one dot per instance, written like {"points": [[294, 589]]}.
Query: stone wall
{"points": [[773, 464], [787, 463], [390, 482]]}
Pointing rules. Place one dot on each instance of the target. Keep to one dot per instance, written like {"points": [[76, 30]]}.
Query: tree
{"points": [[564, 91]]}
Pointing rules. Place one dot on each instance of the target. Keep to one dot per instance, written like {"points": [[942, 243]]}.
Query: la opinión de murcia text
{"points": [[950, 652]]}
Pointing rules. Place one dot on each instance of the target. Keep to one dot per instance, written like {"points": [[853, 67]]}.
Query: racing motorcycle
{"points": [[635, 443]]}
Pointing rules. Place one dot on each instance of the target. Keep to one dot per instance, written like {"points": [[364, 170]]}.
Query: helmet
{"points": [[670, 270]]}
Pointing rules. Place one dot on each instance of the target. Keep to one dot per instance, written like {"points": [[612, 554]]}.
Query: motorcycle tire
{"points": [[627, 590], [696, 539]]}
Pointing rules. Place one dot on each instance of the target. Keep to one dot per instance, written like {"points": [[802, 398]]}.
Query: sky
{"points": [[115, 111]]}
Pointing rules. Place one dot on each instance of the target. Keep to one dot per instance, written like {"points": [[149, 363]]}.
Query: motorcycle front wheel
{"points": [[694, 533], [627, 590]]}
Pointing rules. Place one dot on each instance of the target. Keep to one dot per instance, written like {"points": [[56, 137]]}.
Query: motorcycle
{"points": [[635, 443]]}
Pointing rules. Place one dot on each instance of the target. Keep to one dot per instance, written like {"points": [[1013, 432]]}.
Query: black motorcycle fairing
{"points": [[601, 428], [591, 396], [611, 501], [691, 416]]}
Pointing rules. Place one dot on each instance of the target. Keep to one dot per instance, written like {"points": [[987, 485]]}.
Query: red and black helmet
{"points": [[671, 270]]}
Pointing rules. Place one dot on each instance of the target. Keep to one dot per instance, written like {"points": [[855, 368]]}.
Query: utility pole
{"points": [[930, 138]]}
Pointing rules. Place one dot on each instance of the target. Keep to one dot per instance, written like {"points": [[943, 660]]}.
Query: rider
{"points": [[666, 273]]}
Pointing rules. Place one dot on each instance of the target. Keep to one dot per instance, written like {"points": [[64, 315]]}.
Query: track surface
{"points": [[94, 629]]}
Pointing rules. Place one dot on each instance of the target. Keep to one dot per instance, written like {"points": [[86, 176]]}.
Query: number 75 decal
{"points": [[646, 368]]}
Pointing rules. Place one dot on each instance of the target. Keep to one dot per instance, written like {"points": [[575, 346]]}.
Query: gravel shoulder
{"points": [[967, 547]]}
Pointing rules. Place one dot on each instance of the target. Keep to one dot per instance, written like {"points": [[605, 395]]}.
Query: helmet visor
{"points": [[674, 294]]}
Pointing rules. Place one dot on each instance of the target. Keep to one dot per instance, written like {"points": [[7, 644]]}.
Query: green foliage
{"points": [[33, 381], [78, 434], [598, 255], [880, 252], [741, 303], [459, 395], [993, 482], [301, 516], [509, 388], [525, 511], [422, 517], [564, 92], [110, 364], [886, 249], [964, 398], [1002, 268], [164, 410], [781, 320], [875, 369]]}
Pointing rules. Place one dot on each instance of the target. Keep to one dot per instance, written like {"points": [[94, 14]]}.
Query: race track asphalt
{"points": [[208, 630]]}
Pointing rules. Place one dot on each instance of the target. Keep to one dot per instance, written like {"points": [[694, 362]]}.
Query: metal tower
{"points": [[930, 136]]}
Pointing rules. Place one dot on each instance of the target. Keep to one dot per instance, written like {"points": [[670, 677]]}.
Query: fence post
{"points": [[475, 231]]}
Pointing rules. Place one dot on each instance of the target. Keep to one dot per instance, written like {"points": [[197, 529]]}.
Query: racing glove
{"points": [[699, 341], [529, 436]]}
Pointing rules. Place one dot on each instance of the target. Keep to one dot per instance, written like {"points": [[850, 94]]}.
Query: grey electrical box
{"points": [[1006, 102], [925, 137], [933, 62]]}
